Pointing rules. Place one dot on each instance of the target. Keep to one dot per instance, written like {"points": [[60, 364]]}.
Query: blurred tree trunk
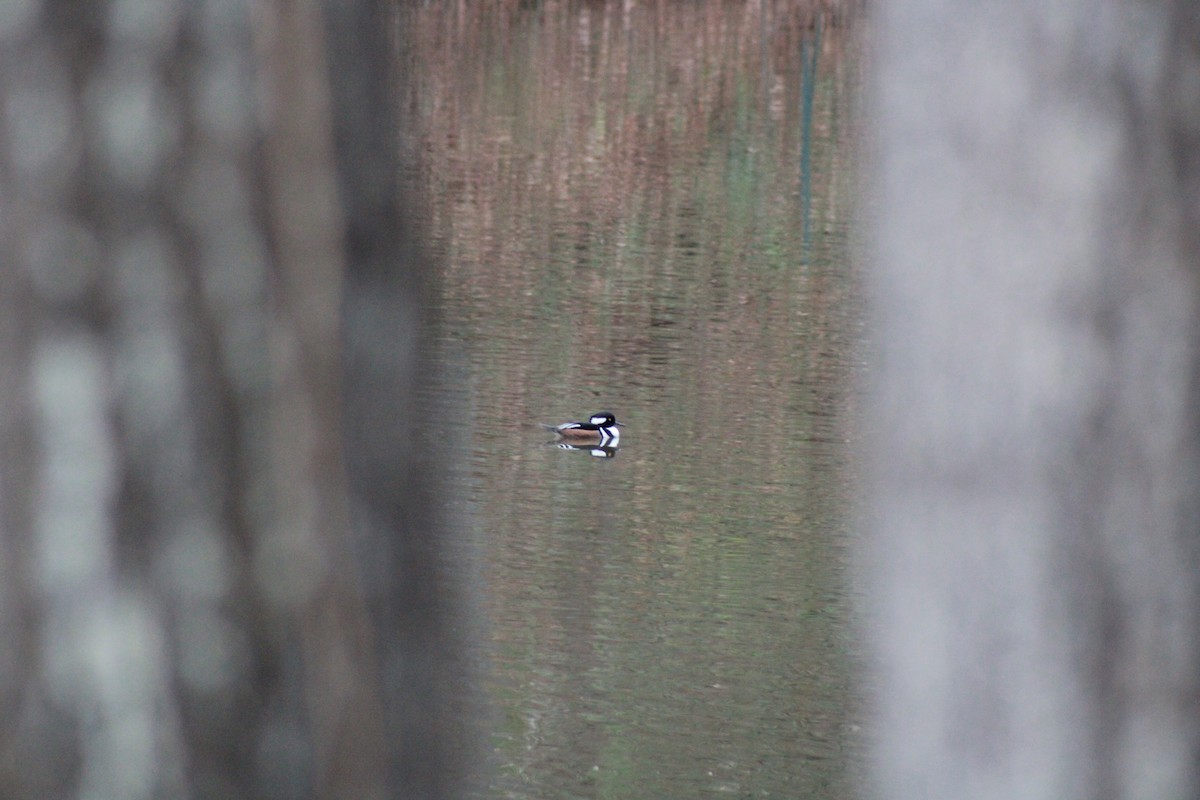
{"points": [[1035, 559], [180, 590]]}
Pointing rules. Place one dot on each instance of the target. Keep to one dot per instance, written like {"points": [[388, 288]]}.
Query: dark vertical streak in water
{"points": [[810, 50]]}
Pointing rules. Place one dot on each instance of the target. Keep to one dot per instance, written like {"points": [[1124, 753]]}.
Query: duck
{"points": [[601, 429]]}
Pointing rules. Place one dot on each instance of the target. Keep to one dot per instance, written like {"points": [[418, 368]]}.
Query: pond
{"points": [[645, 209]]}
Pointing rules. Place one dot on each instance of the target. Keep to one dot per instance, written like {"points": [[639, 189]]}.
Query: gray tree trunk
{"points": [[181, 601], [1034, 558]]}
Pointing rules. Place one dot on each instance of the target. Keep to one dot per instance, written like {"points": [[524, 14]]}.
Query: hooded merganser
{"points": [[600, 429]]}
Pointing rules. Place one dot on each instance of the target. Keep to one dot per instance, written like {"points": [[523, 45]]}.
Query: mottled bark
{"points": [[180, 587], [1034, 560]]}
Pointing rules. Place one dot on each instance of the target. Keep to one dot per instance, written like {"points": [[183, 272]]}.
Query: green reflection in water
{"points": [[645, 209]]}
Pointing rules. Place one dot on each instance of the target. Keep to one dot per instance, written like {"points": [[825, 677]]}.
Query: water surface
{"points": [[644, 209]]}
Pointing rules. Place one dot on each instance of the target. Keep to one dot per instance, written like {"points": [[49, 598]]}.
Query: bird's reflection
{"points": [[594, 450]]}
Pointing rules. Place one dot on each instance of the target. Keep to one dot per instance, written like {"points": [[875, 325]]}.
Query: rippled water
{"points": [[645, 210]]}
